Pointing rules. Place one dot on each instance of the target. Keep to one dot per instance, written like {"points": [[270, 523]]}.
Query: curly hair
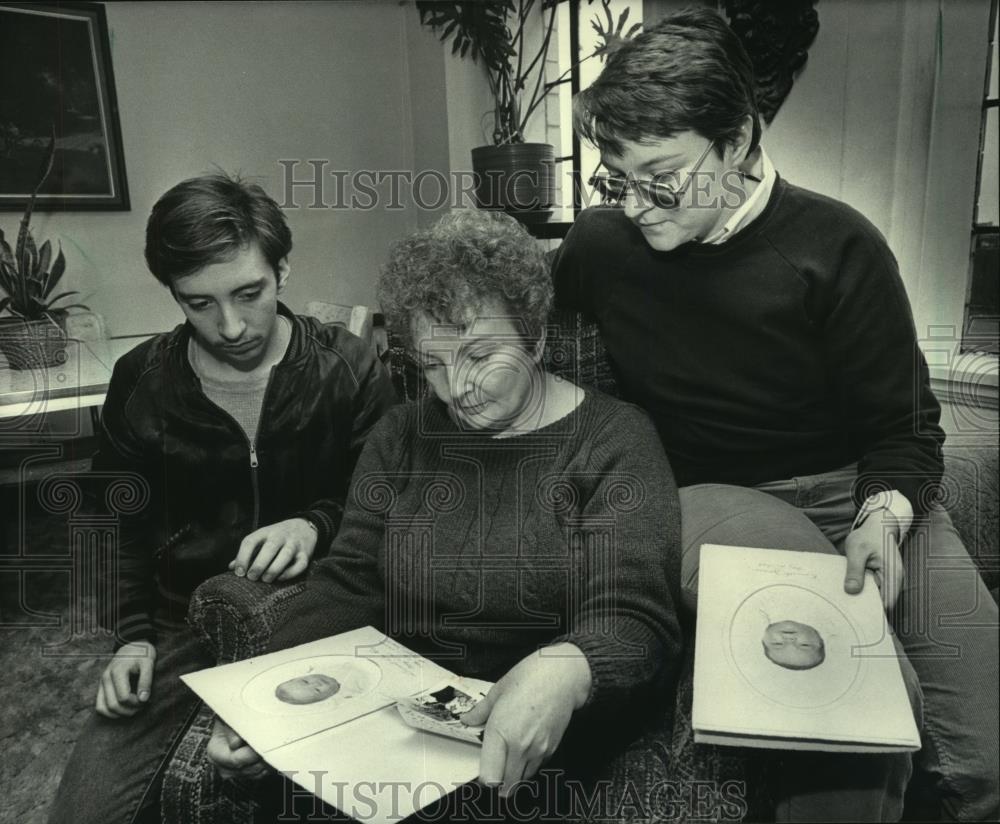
{"points": [[467, 258]]}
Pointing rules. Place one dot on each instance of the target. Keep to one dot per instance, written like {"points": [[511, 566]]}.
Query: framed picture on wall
{"points": [[56, 81]]}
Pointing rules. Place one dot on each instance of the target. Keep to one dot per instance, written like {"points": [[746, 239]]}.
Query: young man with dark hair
{"points": [[246, 423], [766, 330]]}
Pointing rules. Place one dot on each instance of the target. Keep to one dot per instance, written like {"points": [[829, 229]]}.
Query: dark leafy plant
{"points": [[493, 32], [28, 274]]}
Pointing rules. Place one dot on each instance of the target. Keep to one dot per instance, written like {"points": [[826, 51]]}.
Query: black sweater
{"points": [[477, 551], [789, 350]]}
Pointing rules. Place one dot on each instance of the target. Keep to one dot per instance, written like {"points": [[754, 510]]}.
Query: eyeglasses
{"points": [[613, 189]]}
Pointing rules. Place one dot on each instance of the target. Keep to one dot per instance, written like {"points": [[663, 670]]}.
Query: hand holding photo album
{"points": [[784, 658], [356, 709]]}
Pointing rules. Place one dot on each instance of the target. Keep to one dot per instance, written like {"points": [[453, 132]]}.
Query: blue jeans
{"points": [[116, 769], [945, 620]]}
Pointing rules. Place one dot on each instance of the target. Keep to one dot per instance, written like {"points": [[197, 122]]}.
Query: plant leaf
{"points": [[55, 275], [27, 252], [33, 309], [622, 19], [73, 306], [44, 259], [57, 298], [21, 275], [23, 236], [32, 257], [8, 280]]}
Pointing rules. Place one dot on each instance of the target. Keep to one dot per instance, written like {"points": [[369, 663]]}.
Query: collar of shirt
{"points": [[757, 165]]}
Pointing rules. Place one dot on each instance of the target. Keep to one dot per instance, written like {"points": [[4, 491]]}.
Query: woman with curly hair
{"points": [[553, 564]]}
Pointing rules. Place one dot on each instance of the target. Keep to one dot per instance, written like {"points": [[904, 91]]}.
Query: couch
{"points": [[235, 617]]}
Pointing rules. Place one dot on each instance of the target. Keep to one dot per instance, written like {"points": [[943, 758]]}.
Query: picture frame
{"points": [[57, 81]]}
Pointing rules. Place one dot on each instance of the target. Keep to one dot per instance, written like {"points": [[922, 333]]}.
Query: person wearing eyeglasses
{"points": [[766, 330]]}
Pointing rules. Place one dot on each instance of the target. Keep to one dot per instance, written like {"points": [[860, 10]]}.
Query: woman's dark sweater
{"points": [[477, 551]]}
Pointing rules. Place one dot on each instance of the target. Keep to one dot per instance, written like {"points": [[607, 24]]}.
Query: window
{"points": [[982, 313], [582, 28]]}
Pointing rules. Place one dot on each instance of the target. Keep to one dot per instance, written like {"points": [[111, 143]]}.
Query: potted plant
{"points": [[32, 327], [512, 174]]}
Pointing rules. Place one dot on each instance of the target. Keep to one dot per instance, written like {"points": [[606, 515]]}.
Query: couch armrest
{"points": [[236, 616]]}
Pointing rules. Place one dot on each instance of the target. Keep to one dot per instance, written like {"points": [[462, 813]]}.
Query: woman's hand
{"points": [[873, 547], [527, 712], [231, 755]]}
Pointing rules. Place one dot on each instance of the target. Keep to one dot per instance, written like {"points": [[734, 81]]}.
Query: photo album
{"points": [[349, 710], [784, 658]]}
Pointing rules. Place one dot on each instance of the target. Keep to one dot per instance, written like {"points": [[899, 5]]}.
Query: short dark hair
{"points": [[465, 259], [210, 219], [687, 72]]}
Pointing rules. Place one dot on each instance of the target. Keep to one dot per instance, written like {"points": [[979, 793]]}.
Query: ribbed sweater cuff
{"points": [[135, 627], [326, 524], [616, 665]]}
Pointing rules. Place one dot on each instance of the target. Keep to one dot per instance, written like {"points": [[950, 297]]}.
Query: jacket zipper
{"points": [[254, 463], [253, 482], [253, 447]]}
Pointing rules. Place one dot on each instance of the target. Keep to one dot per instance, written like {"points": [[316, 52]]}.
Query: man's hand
{"points": [[527, 712], [283, 550], [872, 546], [115, 698], [231, 755]]}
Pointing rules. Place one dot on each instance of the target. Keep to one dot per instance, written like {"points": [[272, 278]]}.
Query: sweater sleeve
{"points": [[120, 451], [345, 590], [373, 397], [626, 624], [880, 376]]}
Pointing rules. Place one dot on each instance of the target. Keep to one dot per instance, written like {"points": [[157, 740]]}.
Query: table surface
{"points": [[80, 381]]}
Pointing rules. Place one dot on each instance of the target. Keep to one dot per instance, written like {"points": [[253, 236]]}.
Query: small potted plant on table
{"points": [[32, 327]]}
